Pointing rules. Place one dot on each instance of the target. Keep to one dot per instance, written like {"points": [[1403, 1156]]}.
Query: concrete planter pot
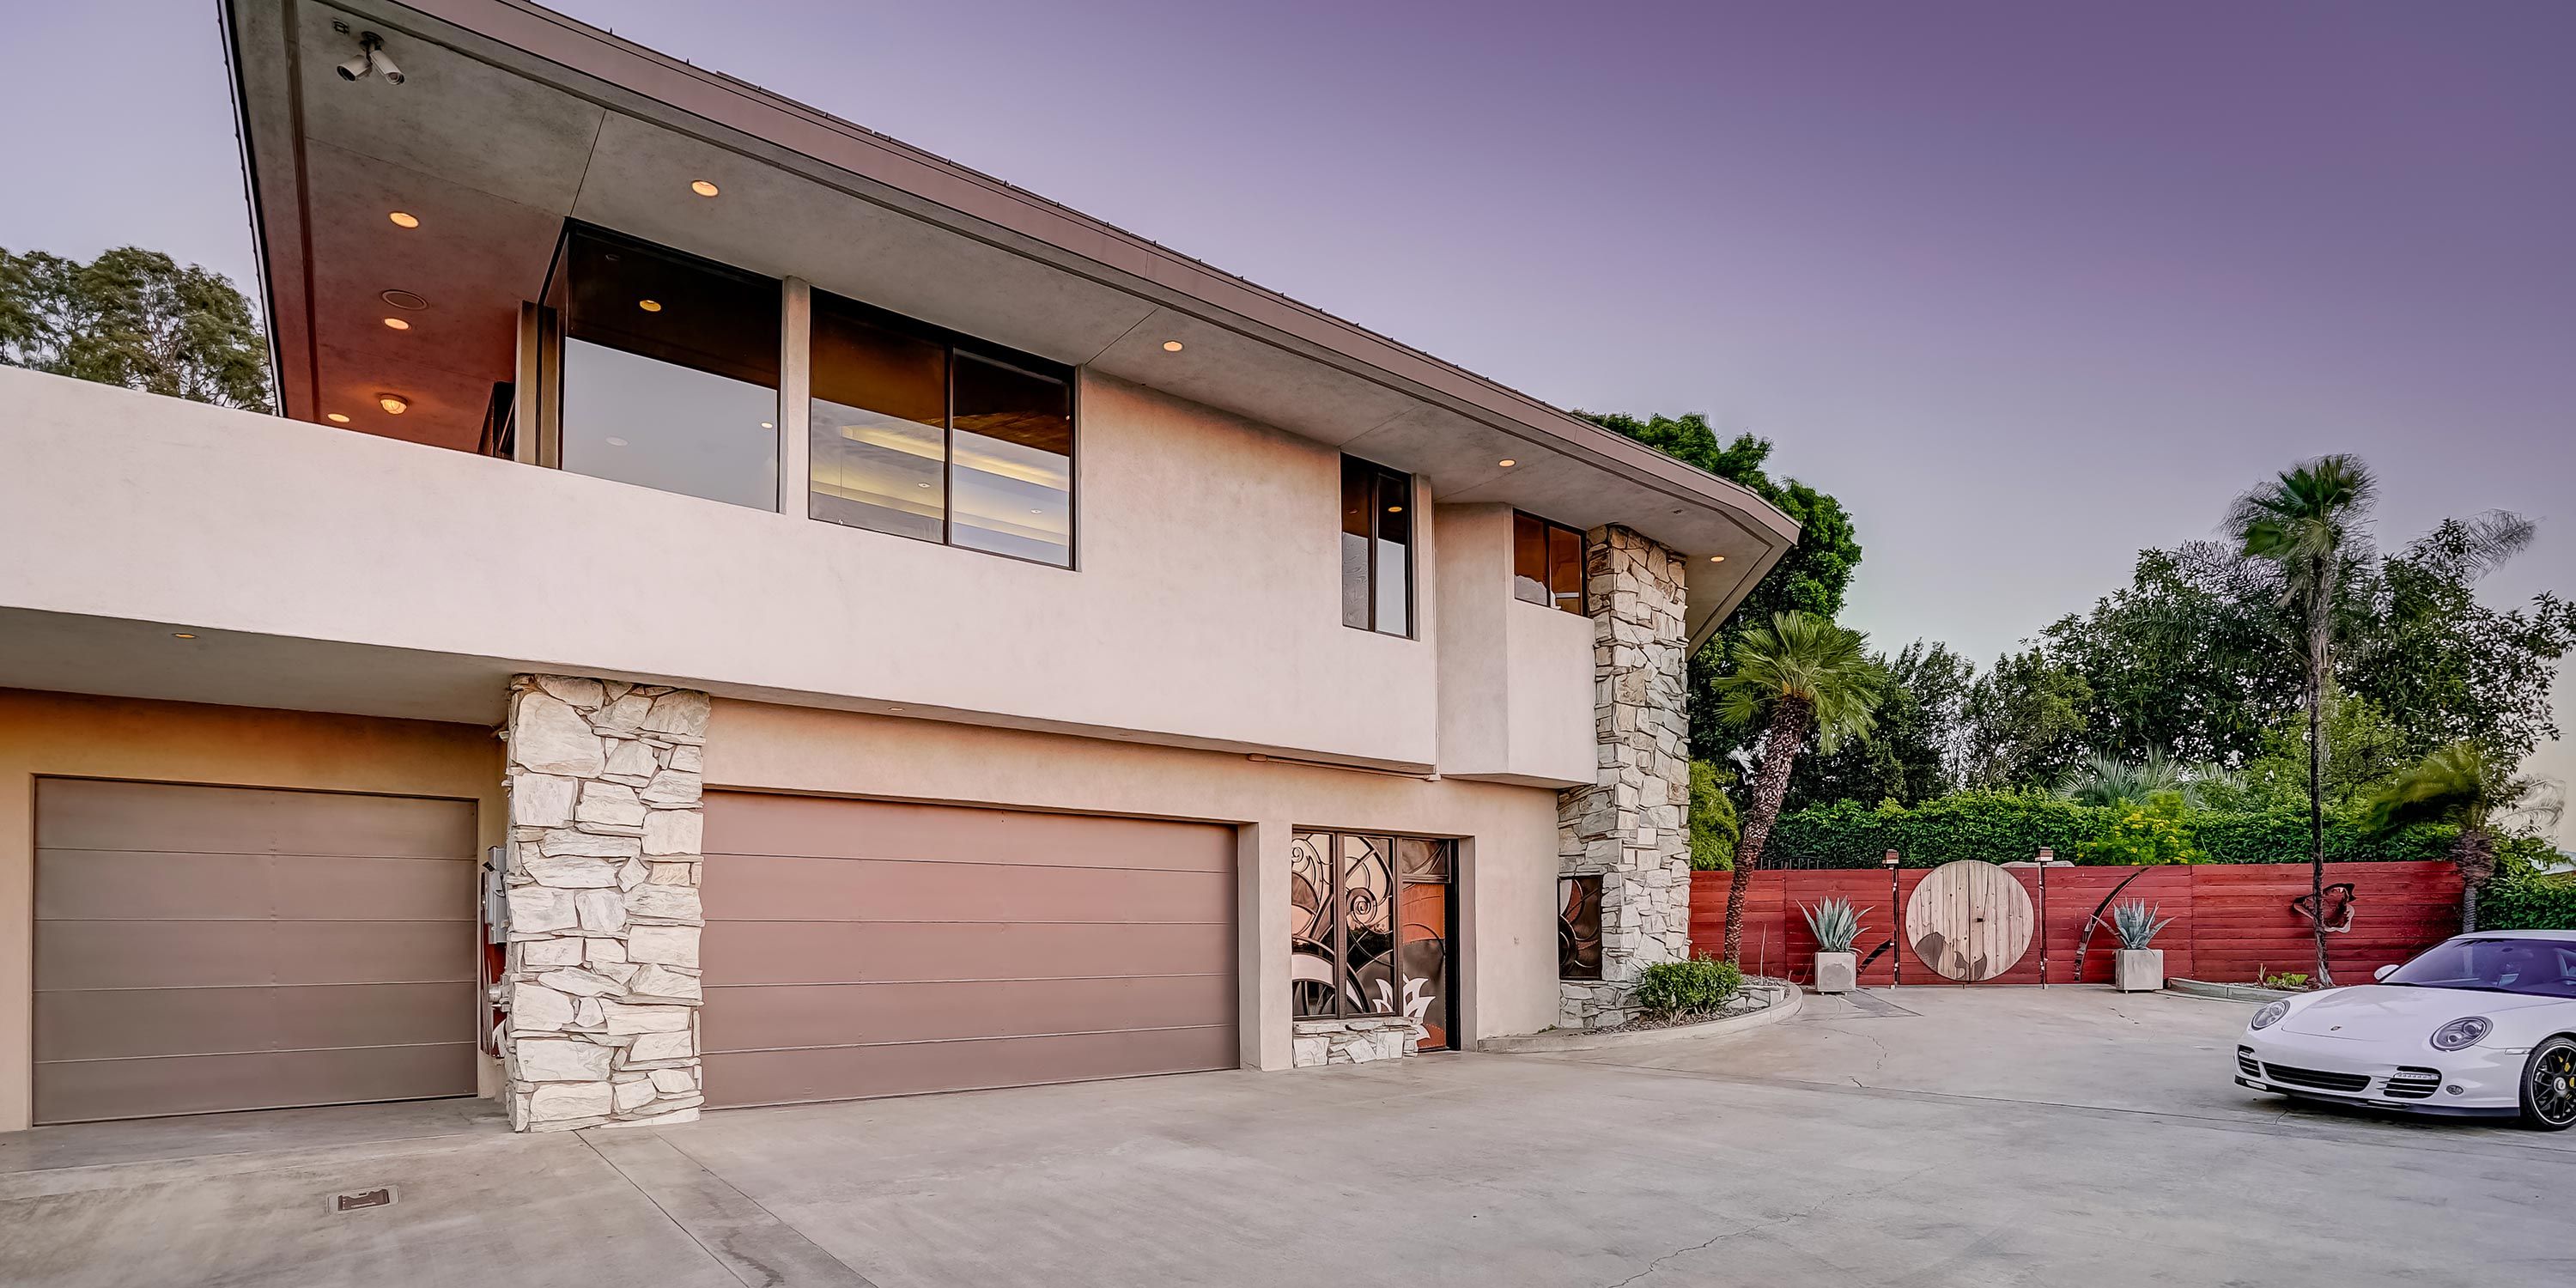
{"points": [[2139, 970], [1837, 972]]}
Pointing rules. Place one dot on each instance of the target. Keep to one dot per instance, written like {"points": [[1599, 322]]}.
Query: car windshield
{"points": [[2546, 968]]}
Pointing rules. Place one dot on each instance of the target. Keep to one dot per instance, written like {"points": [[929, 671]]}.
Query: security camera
{"points": [[371, 58]]}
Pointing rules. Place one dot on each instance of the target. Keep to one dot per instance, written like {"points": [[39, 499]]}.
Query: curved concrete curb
{"points": [[2227, 992], [1785, 1001]]}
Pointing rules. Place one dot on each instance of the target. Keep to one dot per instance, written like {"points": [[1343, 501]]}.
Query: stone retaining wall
{"points": [[601, 985], [1353, 1041]]}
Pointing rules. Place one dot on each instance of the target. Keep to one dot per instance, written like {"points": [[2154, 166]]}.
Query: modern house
{"points": [[733, 610]]}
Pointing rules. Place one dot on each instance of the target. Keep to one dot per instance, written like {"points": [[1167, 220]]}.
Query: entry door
{"points": [[214, 948], [871, 948]]}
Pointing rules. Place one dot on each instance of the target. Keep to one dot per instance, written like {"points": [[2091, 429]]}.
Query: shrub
{"points": [[2153, 833], [1694, 987], [2528, 901], [2003, 827]]}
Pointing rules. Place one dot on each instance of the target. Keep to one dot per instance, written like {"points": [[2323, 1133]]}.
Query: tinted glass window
{"points": [[1012, 462], [1377, 548], [2543, 967], [670, 372], [1565, 567], [878, 434], [1547, 563]]}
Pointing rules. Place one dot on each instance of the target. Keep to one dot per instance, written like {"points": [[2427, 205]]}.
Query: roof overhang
{"points": [[513, 118]]}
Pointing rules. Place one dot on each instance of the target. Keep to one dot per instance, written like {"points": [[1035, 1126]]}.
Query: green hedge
{"points": [[2528, 902], [2003, 827]]}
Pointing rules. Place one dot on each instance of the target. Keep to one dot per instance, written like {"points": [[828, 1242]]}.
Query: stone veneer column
{"points": [[1629, 826], [601, 985]]}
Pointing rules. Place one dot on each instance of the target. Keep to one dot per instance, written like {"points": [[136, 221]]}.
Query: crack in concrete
{"points": [[1775, 1222]]}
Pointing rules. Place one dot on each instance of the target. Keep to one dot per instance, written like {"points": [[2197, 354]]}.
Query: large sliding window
{"points": [[1547, 563], [925, 434], [669, 370], [1369, 928], [1377, 548]]}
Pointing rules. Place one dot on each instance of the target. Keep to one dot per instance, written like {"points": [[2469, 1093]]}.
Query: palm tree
{"points": [[2109, 780], [2308, 522], [2461, 783], [1798, 676]]}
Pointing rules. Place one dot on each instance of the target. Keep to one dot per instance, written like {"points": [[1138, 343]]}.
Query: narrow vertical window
{"points": [[1011, 462], [1377, 548], [877, 434], [1547, 563]]}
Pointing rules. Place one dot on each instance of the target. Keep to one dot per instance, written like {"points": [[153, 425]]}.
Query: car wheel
{"points": [[2549, 1086]]}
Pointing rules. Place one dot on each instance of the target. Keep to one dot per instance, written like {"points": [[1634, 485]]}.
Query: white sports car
{"points": [[2481, 1024]]}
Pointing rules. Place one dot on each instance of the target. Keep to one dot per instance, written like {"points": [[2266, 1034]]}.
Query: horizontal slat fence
{"points": [[2230, 920]]}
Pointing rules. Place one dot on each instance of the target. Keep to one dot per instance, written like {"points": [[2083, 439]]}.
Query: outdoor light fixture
{"points": [[337, 418], [1891, 859], [397, 324], [1717, 559], [181, 635], [404, 219], [1507, 462], [703, 188], [616, 442], [394, 404], [649, 306], [1171, 346], [371, 58]]}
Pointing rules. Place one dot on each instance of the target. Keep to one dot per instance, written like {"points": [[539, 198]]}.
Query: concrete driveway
{"points": [[1924, 1136]]}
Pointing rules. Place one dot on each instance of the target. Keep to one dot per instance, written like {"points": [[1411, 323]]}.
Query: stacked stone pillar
{"points": [[1630, 825], [601, 986]]}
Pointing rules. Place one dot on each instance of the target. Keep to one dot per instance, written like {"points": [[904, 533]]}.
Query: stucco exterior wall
{"points": [[55, 734], [1507, 957], [1205, 610], [1516, 690]]}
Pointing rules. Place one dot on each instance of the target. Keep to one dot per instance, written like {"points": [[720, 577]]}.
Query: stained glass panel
{"points": [[1367, 911], [1578, 927], [1310, 924], [1422, 954]]}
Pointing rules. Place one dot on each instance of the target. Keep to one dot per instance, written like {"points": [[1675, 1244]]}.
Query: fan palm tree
{"points": [[1797, 676], [2109, 780], [2308, 522], [2461, 783]]}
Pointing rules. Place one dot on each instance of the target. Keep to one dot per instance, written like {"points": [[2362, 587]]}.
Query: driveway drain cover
{"points": [[382, 1196]]}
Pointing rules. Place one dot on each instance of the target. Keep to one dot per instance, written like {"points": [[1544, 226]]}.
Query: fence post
{"points": [[1895, 927], [2046, 855]]}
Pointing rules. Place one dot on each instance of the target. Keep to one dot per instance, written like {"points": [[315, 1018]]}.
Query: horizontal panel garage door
{"points": [[214, 948], [863, 948]]}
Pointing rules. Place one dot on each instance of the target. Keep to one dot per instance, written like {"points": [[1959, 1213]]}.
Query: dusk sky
{"points": [[2029, 286]]}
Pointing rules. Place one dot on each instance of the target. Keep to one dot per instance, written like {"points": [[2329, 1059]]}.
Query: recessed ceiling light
{"points": [[1717, 559], [403, 300], [1171, 346], [921, 485], [397, 324], [1395, 509], [704, 188], [649, 306], [181, 635], [766, 425], [616, 442], [1507, 462], [894, 708], [394, 404], [337, 417], [404, 219]]}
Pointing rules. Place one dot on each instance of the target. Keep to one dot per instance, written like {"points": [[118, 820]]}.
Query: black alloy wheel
{"points": [[2549, 1086]]}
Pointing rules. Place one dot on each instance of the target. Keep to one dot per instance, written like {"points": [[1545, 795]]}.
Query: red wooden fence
{"points": [[2230, 920]]}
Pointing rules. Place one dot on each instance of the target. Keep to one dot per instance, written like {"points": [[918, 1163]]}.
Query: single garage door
{"points": [[864, 948], [212, 948]]}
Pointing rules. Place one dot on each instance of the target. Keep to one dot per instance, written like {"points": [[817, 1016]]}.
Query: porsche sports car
{"points": [[2481, 1024]]}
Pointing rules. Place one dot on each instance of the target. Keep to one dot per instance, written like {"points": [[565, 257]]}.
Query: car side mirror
{"points": [[2383, 972]]}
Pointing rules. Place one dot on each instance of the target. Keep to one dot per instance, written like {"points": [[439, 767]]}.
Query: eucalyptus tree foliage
{"points": [[134, 318]]}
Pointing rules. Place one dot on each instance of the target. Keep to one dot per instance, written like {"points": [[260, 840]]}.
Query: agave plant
{"points": [[1836, 923], [2137, 923]]}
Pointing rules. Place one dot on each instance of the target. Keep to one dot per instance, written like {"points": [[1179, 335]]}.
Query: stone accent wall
{"points": [[601, 988], [1356, 1041], [1629, 825]]}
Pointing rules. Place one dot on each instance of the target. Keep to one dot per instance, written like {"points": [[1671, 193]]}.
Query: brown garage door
{"points": [[862, 948], [213, 948]]}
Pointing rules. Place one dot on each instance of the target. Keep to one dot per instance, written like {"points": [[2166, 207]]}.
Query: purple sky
{"points": [[2028, 285]]}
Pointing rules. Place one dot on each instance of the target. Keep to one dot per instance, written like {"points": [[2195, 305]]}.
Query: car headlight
{"points": [[2461, 1032], [2271, 1015]]}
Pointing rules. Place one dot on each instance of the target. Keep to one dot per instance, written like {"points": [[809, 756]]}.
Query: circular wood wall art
{"points": [[1969, 921]]}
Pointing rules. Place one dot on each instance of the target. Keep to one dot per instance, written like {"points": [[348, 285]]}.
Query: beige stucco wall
{"points": [[1206, 610], [1507, 954], [1515, 678], [73, 736]]}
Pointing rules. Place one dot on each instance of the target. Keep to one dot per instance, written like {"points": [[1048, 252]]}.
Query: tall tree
{"points": [[1912, 754], [2463, 783], [1796, 677], [1811, 578], [2441, 665], [2024, 723], [2310, 523], [135, 318]]}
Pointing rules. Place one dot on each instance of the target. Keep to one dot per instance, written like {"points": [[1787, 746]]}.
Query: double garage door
{"points": [[865, 948], [214, 948]]}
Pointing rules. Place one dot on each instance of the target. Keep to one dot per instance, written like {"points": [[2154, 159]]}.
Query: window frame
{"points": [[1331, 838], [959, 343], [1548, 528], [1377, 513]]}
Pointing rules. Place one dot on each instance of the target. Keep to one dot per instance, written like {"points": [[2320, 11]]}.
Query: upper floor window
{"points": [[1547, 562], [1377, 548], [669, 371], [923, 434]]}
